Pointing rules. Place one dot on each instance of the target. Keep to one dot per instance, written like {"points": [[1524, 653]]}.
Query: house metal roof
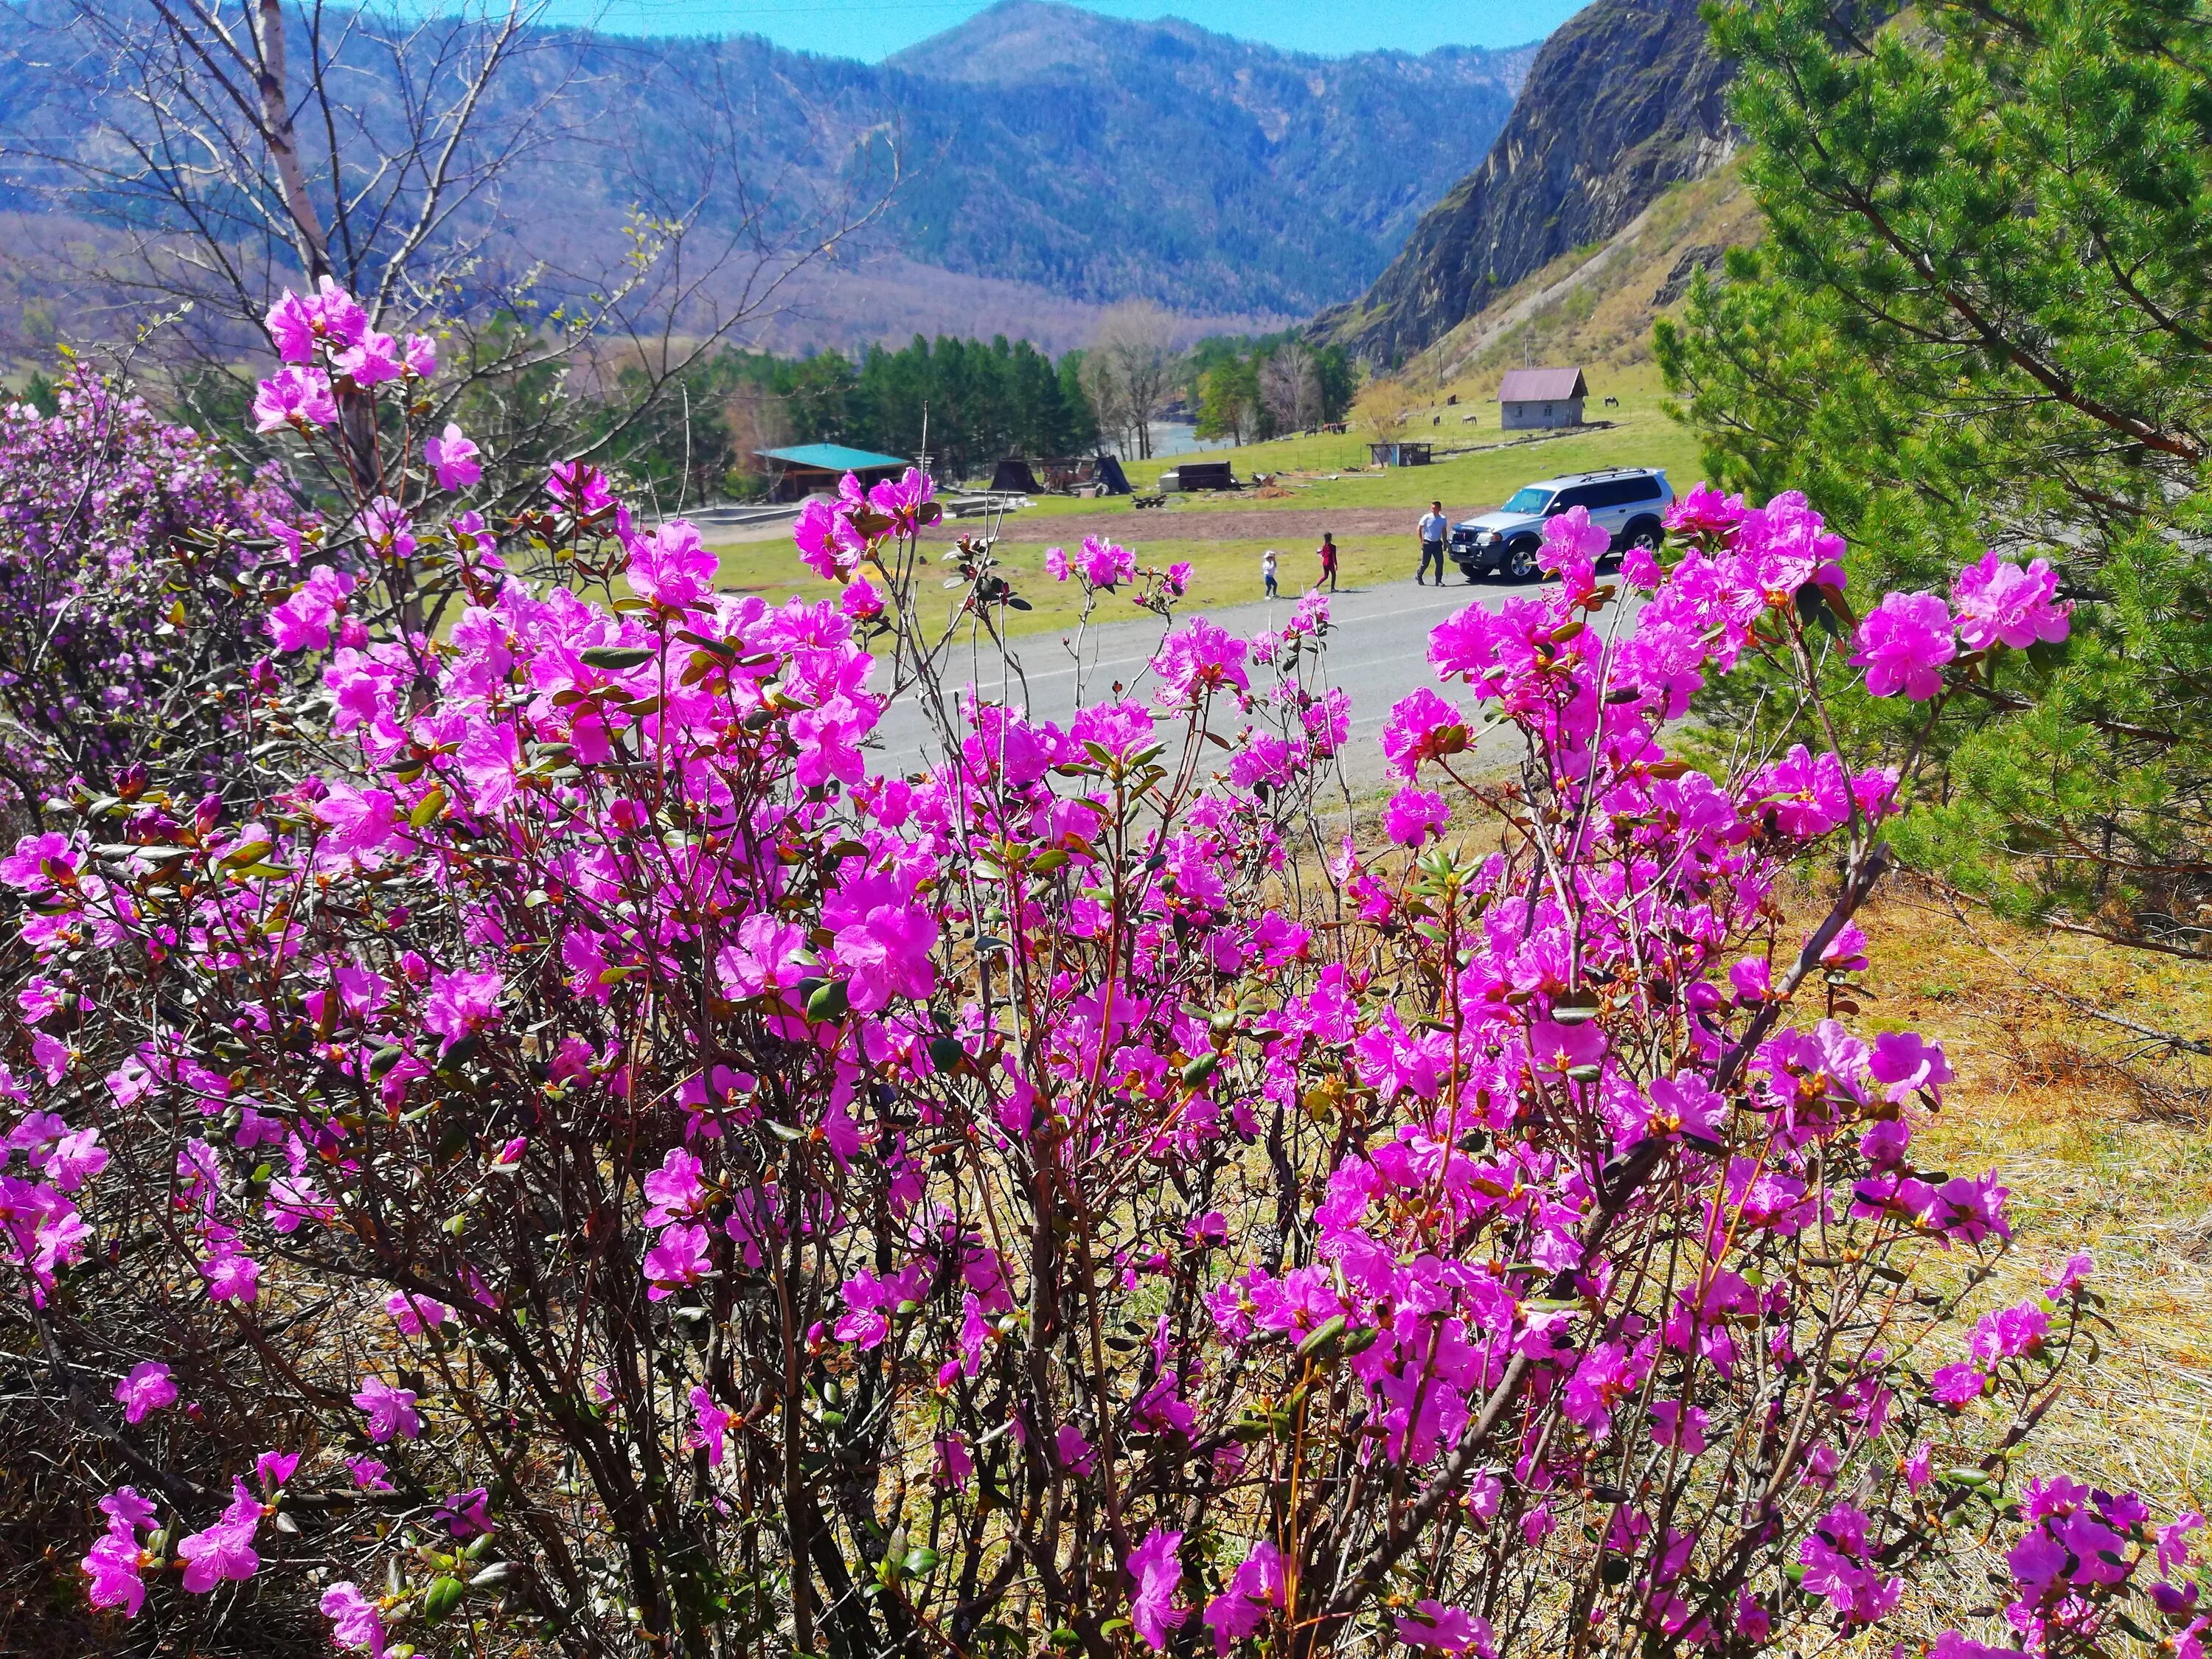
{"points": [[832, 458], [1541, 385]]}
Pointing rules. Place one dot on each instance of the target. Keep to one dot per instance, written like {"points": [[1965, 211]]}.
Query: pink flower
{"points": [[1254, 1590], [39, 863], [670, 567], [2002, 603], [1906, 1062], [1705, 512], [1806, 794], [467, 1514], [712, 1423], [882, 940], [291, 325], [305, 618], [293, 397], [1413, 815], [1903, 645], [1156, 1571], [862, 599], [413, 1314], [1838, 1558], [390, 1412], [461, 1003], [1074, 1450], [580, 488], [1055, 563], [1447, 1629], [1196, 659], [903, 499], [232, 1277], [1103, 564], [828, 544], [454, 458], [421, 356], [114, 1564], [1674, 1424], [355, 1622], [956, 1466], [673, 1190], [147, 1388], [339, 319], [679, 1259], [1422, 727], [372, 362], [368, 1473], [225, 1550], [273, 1469]]}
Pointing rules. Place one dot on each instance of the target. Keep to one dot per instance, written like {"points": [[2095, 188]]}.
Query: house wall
{"points": [[1521, 416]]}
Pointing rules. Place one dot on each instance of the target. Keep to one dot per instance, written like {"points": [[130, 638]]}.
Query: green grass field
{"points": [[1642, 436]]}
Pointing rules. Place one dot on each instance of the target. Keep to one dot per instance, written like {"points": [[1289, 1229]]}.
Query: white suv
{"points": [[1627, 501]]}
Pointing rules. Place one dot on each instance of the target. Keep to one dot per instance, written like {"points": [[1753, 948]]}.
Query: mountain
{"points": [[1625, 101], [1049, 161], [1102, 159]]}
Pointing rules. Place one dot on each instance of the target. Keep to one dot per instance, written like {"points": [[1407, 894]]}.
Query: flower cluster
{"points": [[1906, 640], [691, 1188], [131, 566]]}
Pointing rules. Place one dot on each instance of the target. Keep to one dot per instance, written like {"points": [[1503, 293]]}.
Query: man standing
{"points": [[1434, 527], [1328, 552], [1267, 571]]}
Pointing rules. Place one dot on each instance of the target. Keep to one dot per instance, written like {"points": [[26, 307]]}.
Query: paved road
{"points": [[1378, 651]]}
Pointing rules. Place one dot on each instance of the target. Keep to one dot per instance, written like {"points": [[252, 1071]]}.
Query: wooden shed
{"points": [[1533, 398], [1398, 453], [801, 471]]}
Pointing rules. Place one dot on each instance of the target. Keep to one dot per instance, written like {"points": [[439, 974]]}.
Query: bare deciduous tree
{"points": [[231, 147], [1290, 387], [1135, 349]]}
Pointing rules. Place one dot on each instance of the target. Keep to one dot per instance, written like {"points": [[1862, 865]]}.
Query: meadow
{"points": [[1321, 483]]}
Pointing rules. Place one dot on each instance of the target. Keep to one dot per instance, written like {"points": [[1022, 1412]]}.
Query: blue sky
{"points": [[872, 29]]}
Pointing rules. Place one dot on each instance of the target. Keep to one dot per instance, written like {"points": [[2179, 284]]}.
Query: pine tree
{"points": [[1980, 318]]}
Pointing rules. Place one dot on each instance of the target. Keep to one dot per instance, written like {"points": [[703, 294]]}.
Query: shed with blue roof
{"points": [[803, 470]]}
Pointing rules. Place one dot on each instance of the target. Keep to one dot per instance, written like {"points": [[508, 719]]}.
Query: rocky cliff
{"points": [[1623, 101]]}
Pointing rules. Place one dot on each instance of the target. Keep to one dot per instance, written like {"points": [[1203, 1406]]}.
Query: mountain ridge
{"points": [[1625, 101], [1047, 150]]}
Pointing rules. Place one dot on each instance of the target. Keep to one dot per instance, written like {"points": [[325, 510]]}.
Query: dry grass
{"points": [[2106, 1147]]}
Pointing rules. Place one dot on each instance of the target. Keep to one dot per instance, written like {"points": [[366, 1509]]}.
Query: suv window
{"points": [[1617, 492], [1580, 495]]}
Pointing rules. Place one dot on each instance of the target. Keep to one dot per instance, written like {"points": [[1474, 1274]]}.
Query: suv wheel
{"points": [[1521, 560], [1643, 533]]}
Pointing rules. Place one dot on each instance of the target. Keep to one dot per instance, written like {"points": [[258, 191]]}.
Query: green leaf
{"points": [[442, 1598], [617, 659]]}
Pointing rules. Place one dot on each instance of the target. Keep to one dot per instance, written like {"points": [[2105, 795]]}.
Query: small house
{"points": [[1398, 453], [795, 474], [1537, 397]]}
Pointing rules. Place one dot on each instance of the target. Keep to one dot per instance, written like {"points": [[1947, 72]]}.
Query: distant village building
{"points": [[800, 471], [1529, 398]]}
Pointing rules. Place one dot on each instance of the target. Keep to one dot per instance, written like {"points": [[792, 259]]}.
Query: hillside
{"points": [[1050, 160], [1623, 102]]}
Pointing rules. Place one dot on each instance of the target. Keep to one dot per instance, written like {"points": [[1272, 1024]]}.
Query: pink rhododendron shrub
{"points": [[670, 1186], [131, 567]]}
